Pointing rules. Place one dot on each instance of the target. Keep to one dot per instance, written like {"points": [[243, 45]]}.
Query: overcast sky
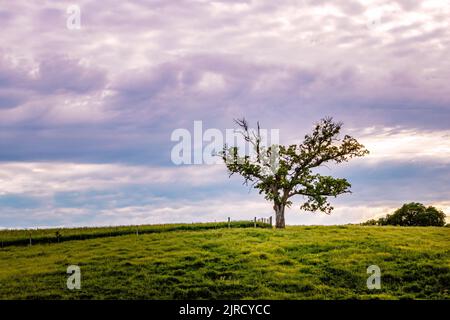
{"points": [[86, 115]]}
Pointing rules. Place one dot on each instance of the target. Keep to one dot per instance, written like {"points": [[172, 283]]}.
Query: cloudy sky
{"points": [[86, 115]]}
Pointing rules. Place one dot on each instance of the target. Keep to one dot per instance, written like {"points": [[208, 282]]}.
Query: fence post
{"points": [[270, 220], [255, 222], [229, 221]]}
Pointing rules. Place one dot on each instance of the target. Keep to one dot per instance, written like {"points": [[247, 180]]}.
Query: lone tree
{"points": [[282, 172]]}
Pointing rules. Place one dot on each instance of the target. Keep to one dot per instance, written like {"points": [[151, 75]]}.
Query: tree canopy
{"points": [[412, 214]]}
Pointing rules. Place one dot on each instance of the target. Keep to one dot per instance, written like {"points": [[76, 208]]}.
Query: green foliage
{"points": [[305, 262], [282, 172], [412, 214], [371, 222]]}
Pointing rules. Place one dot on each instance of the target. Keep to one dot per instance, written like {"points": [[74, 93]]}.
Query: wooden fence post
{"points": [[229, 221], [255, 222], [270, 220]]}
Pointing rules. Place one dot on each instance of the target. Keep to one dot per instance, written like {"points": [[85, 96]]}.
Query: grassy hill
{"points": [[55, 235], [310, 262]]}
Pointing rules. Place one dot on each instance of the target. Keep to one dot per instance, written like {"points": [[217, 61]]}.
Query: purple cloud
{"points": [[113, 91]]}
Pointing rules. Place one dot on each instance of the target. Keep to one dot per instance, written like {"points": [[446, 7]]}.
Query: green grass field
{"points": [[56, 235], [310, 262]]}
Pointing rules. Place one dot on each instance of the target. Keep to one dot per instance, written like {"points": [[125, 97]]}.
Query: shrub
{"points": [[371, 222], [412, 214]]}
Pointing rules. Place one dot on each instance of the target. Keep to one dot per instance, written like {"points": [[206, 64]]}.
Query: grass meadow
{"points": [[301, 262]]}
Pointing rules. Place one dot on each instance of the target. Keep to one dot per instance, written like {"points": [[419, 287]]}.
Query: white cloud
{"points": [[208, 210], [44, 178], [408, 144]]}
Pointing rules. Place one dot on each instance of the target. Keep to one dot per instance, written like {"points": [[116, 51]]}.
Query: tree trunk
{"points": [[279, 215]]}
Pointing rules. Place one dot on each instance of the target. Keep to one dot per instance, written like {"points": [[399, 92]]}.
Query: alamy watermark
{"points": [[73, 21], [200, 146], [74, 279], [374, 280]]}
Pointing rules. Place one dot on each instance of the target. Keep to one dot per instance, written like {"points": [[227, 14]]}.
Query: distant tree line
{"points": [[412, 214]]}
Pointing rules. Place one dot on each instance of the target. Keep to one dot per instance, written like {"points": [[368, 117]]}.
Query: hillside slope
{"points": [[296, 263]]}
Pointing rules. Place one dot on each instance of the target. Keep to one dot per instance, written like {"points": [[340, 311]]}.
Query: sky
{"points": [[89, 99]]}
